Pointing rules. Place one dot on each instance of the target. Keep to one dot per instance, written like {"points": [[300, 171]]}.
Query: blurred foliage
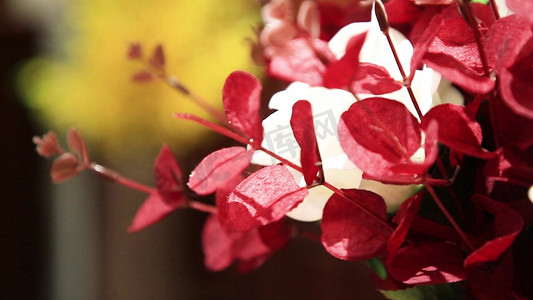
{"points": [[85, 82]]}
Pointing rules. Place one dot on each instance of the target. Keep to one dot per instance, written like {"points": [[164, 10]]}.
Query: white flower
{"points": [[376, 50], [329, 104]]}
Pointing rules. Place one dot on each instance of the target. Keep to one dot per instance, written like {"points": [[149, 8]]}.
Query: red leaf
{"points": [[134, 51], [142, 76], [275, 235], [510, 165], [304, 132], [216, 169], [427, 263], [157, 60], [264, 197], [373, 79], [404, 218], [378, 133], [64, 167], [151, 211], [509, 50], [77, 145], [509, 128], [401, 12], [222, 245], [456, 129], [516, 87], [169, 177], [505, 39], [298, 61], [422, 45], [242, 102], [221, 196], [340, 73], [506, 226], [456, 72], [431, 151], [452, 52], [348, 233]]}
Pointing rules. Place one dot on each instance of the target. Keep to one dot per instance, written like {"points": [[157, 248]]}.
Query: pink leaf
{"points": [[523, 8], [142, 76], [348, 233], [242, 102], [77, 145], [457, 130], [64, 167], [216, 169], [151, 211], [308, 18], [223, 245], [506, 226], [300, 61], [47, 145], [157, 60], [304, 132], [373, 79], [340, 73], [134, 51], [169, 177], [378, 133], [264, 197], [427, 263]]}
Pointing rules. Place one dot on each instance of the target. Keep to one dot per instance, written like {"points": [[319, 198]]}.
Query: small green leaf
{"points": [[481, 1], [378, 267], [427, 292]]}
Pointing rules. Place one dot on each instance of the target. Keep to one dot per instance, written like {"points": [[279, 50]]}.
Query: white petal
{"points": [[311, 208]]}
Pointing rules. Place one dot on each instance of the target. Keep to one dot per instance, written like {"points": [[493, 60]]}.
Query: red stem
{"points": [[448, 216], [115, 177], [199, 206], [468, 13], [495, 9], [404, 77], [407, 85], [225, 131], [215, 127], [201, 102]]}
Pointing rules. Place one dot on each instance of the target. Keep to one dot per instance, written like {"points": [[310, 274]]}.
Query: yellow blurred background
{"points": [[83, 80]]}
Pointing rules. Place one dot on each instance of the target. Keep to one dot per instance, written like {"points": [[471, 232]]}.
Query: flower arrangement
{"points": [[405, 134]]}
